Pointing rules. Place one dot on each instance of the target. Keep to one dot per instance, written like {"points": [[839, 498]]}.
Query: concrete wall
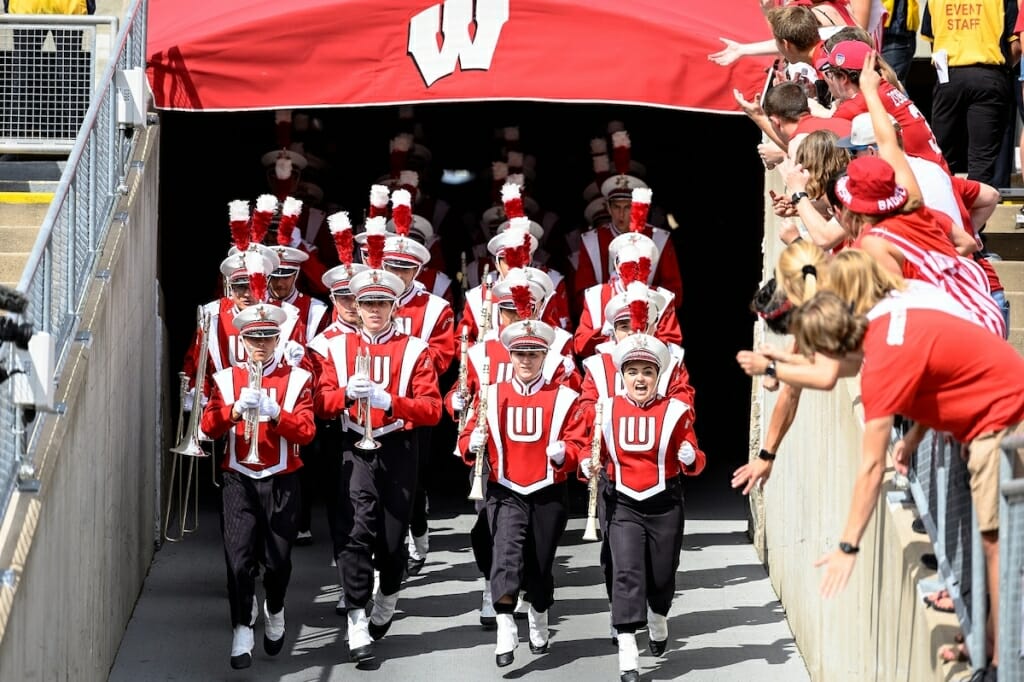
{"points": [[83, 544], [877, 629]]}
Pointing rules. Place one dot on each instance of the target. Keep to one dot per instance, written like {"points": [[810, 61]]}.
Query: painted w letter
{"points": [[471, 51]]}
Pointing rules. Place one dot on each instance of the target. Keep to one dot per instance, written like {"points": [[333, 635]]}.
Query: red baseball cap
{"points": [[869, 187], [848, 55]]}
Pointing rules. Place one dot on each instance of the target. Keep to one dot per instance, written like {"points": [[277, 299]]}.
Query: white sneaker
{"points": [[273, 630], [358, 629], [507, 640], [629, 657], [487, 613], [538, 631], [241, 647]]}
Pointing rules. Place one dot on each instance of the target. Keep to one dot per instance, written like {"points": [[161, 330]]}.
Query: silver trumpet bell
{"points": [[364, 418]]}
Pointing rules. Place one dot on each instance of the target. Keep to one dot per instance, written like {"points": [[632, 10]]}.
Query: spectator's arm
{"points": [[734, 50], [885, 133]]}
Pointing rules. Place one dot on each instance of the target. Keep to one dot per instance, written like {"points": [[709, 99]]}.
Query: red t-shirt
{"points": [[918, 139], [943, 371]]}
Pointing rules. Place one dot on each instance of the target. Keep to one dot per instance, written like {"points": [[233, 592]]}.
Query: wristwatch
{"points": [[797, 196], [766, 456], [847, 548], [769, 371]]}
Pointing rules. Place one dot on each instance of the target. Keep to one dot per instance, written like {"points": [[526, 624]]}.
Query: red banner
{"points": [[261, 54]]}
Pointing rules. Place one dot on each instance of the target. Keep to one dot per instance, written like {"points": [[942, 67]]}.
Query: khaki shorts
{"points": [[984, 460]]}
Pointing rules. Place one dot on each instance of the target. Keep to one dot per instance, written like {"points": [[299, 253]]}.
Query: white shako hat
{"points": [[267, 252], [261, 319], [633, 247], [291, 259], [527, 335], [337, 278], [535, 228], [596, 209], [520, 290], [419, 225], [235, 268], [378, 285], [621, 306], [404, 252], [514, 238], [621, 186], [641, 347]]}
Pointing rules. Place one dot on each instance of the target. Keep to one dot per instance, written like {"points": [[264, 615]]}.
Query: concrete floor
{"points": [[726, 623]]}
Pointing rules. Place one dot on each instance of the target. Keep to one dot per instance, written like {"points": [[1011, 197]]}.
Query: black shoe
{"points": [[615, 642], [414, 566], [243, 661], [378, 631], [657, 648], [542, 649], [504, 659], [918, 527], [488, 622], [520, 616], [630, 676], [303, 539], [361, 654], [271, 647], [930, 561]]}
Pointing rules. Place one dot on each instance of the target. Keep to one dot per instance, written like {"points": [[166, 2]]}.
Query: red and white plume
{"points": [[266, 204], [409, 180], [283, 127], [512, 200], [523, 300], [639, 208], [341, 232], [621, 151], [517, 254], [290, 213], [238, 217], [379, 200], [256, 266], [634, 265], [639, 307], [399, 147], [401, 211], [376, 233]]}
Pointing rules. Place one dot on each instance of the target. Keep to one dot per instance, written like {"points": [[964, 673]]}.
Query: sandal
{"points": [[954, 653], [940, 601]]}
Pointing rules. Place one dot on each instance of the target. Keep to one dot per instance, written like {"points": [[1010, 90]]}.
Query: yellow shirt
{"points": [[47, 7], [970, 31]]}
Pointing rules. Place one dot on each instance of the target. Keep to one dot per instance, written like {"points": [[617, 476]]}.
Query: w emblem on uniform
{"points": [[636, 434], [380, 370], [471, 51], [524, 424]]}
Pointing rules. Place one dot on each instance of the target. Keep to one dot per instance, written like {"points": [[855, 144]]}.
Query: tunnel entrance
{"points": [[702, 168]]}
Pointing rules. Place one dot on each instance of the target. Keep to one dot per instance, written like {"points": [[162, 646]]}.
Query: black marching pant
{"points": [[418, 524], [644, 540], [374, 512], [258, 522], [525, 531]]}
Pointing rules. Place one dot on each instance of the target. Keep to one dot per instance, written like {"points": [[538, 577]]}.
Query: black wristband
{"points": [[766, 456], [847, 548], [797, 196], [769, 371]]}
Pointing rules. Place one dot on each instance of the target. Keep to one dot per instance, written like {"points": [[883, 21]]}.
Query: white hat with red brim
{"points": [[403, 252], [621, 186], [510, 238], [528, 335], [595, 210], [641, 348], [630, 245], [504, 292], [290, 259], [378, 285], [234, 266], [261, 319], [337, 278], [618, 306]]}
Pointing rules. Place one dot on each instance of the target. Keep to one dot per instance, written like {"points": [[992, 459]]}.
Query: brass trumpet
{"points": [[252, 415], [364, 417]]}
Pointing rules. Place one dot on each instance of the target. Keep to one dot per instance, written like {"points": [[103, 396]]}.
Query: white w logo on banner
{"points": [[524, 424], [472, 52], [636, 434]]}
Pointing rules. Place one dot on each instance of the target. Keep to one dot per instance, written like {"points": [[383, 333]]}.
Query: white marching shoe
{"points": [[657, 632], [360, 644], [382, 614], [508, 640], [538, 631], [273, 630], [629, 658], [418, 547], [241, 647], [487, 614]]}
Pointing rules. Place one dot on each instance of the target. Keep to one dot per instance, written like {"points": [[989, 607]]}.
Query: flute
{"points": [[595, 463]]}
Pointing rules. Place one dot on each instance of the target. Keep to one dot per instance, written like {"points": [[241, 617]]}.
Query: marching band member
{"points": [[398, 393], [312, 311], [644, 439], [433, 280], [271, 405], [427, 317], [524, 433], [618, 189], [633, 256]]}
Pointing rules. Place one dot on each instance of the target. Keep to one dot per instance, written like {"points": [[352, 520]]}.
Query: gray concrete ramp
{"points": [[726, 623]]}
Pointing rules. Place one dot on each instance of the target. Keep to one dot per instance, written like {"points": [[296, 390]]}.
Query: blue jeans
{"points": [[1000, 298], [898, 49]]}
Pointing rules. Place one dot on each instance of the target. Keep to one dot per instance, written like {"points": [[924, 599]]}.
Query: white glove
{"points": [[190, 400], [477, 439], [687, 455], [585, 468], [359, 387], [556, 453], [294, 352], [269, 408], [248, 399], [380, 398], [458, 402]]}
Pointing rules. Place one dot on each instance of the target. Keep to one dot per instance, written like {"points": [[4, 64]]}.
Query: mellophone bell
{"points": [[265, 409], [394, 391]]}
